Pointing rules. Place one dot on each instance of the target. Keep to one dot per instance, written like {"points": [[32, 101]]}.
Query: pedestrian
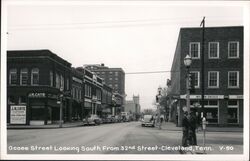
{"points": [[185, 129], [176, 119], [192, 129]]}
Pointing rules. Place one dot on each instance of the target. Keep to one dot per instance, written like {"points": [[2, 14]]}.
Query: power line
{"points": [[152, 72]]}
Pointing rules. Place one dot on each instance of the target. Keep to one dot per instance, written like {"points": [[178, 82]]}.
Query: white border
{"points": [[3, 149]]}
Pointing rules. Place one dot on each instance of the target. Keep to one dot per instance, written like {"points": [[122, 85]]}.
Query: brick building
{"points": [[34, 80], [113, 77], [223, 81]]}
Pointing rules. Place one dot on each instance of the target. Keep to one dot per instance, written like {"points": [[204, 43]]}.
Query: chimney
{"points": [[102, 64]]}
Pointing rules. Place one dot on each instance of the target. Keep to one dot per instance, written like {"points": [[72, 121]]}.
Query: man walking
{"points": [[185, 129], [193, 122]]}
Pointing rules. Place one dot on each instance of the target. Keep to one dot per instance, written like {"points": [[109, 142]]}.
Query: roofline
{"points": [[211, 27]]}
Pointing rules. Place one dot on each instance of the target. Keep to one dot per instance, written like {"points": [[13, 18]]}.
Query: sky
{"points": [[138, 37]]}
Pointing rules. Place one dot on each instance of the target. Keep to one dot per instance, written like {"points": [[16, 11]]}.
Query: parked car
{"points": [[110, 119], [92, 120], [148, 120]]}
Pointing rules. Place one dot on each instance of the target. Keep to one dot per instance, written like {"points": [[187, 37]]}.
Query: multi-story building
{"points": [[133, 107], [35, 80], [107, 103], [77, 94], [93, 88], [223, 74], [113, 77]]}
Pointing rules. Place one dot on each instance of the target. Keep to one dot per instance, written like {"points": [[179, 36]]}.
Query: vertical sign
{"points": [[17, 114]]}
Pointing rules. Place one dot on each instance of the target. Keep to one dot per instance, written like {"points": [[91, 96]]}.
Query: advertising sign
{"points": [[18, 114]]}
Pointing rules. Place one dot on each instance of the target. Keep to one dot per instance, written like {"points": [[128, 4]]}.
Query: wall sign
{"points": [[17, 114], [37, 95]]}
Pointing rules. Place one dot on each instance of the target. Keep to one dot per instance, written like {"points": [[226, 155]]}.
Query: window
{"points": [[13, 77], [197, 78], [213, 50], [116, 73], [51, 78], [24, 76], [233, 49], [213, 79], [35, 76], [11, 100], [233, 112], [67, 84], [233, 79], [22, 100], [110, 79], [62, 82], [194, 50], [57, 81]]}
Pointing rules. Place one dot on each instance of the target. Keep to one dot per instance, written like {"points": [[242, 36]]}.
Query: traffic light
{"points": [[192, 82]]}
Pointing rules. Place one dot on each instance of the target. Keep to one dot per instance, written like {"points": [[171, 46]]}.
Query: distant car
{"points": [[92, 120], [148, 120]]}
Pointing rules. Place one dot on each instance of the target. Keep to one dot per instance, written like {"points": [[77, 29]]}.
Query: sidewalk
{"points": [[209, 148], [50, 126], [172, 127]]}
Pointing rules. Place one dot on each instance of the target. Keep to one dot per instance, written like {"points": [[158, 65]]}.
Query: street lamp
{"points": [[187, 63], [61, 107], [158, 98]]}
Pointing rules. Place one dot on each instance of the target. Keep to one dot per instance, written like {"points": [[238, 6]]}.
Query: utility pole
{"points": [[202, 67]]}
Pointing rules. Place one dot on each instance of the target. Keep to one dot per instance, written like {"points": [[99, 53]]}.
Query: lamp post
{"points": [[158, 98], [187, 63], [61, 107]]}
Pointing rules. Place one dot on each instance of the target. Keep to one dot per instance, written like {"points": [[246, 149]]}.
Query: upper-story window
{"points": [[13, 77], [35, 76], [213, 50], [24, 76], [62, 82], [233, 79], [213, 79], [51, 78], [57, 81], [194, 50], [233, 49], [196, 78], [67, 84]]}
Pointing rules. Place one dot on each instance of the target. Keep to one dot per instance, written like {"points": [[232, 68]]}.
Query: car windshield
{"points": [[147, 118]]}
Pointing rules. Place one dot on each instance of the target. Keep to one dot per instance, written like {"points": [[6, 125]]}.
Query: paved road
{"points": [[120, 138]]}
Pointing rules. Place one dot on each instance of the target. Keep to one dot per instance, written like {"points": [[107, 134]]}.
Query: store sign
{"points": [[235, 96], [205, 96], [17, 114], [37, 95]]}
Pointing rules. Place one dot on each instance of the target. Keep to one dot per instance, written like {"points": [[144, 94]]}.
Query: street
{"points": [[119, 138]]}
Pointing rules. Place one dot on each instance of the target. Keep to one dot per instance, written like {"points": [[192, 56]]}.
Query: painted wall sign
{"points": [[17, 114]]}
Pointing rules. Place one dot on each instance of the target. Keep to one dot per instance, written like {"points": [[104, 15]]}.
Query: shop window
{"points": [[24, 76], [37, 113], [35, 76], [233, 79], [13, 77], [232, 115], [233, 49], [22, 100], [212, 115], [194, 50], [11, 100], [213, 103], [233, 112]]}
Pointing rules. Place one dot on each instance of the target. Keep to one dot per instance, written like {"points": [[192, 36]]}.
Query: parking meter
{"points": [[204, 123]]}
